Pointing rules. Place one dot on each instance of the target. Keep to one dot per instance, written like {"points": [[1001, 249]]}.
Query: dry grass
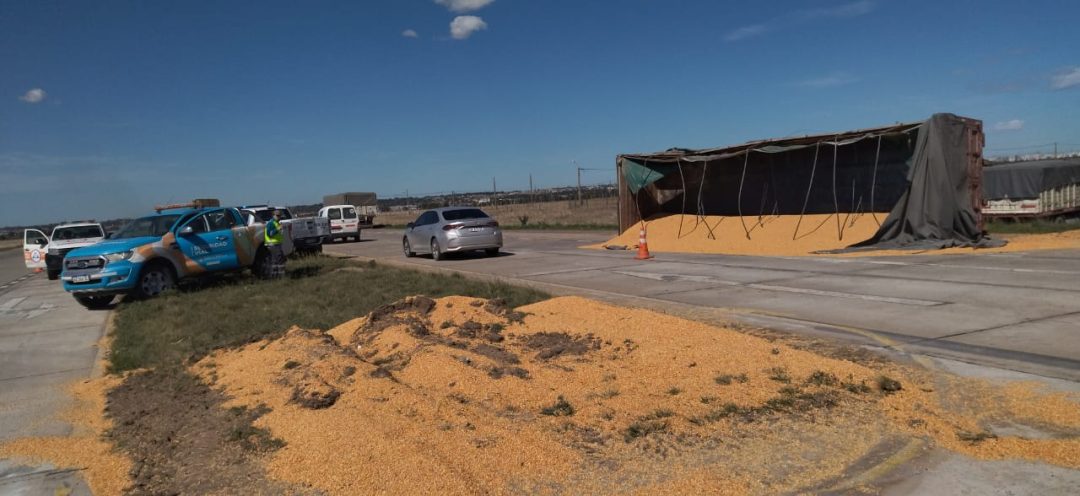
{"points": [[597, 213]]}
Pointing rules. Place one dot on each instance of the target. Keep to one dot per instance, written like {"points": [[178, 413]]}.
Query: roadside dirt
{"points": [[183, 441], [574, 396]]}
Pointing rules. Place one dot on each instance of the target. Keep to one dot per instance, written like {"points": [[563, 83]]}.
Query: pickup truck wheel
{"points": [[53, 275], [492, 252], [407, 248], [96, 302], [436, 252], [154, 280]]}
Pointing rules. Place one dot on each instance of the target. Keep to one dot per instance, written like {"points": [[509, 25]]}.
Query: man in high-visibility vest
{"points": [[274, 236]]}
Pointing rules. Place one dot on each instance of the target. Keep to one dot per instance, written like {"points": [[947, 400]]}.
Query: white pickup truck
{"points": [[47, 252], [307, 233]]}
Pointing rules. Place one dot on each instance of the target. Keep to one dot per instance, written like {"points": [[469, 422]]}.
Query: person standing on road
{"points": [[274, 237]]}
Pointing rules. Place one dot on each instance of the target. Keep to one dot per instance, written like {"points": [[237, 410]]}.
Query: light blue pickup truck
{"points": [[151, 254]]}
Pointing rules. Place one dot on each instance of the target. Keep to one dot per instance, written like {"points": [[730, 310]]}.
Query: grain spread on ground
{"points": [[786, 235], [105, 470], [465, 396]]}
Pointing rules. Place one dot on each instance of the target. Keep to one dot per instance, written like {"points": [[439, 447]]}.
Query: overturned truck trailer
{"points": [[926, 175]]}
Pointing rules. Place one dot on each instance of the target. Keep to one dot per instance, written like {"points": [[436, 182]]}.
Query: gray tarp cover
{"points": [[1028, 179], [936, 210]]}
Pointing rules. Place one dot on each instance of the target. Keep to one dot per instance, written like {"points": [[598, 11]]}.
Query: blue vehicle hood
{"points": [[112, 246]]}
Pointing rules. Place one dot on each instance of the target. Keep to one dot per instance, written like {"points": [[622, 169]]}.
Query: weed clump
{"points": [[888, 384], [779, 374], [727, 379], [561, 408], [643, 428], [822, 378]]}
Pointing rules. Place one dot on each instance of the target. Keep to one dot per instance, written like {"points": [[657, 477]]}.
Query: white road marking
{"points": [[784, 289], [11, 303]]}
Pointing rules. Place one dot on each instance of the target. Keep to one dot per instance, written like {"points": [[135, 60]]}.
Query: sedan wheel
{"points": [[436, 253], [407, 248]]}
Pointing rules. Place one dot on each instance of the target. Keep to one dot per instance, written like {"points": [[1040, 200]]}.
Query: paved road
{"points": [[47, 340], [1017, 311], [11, 266]]}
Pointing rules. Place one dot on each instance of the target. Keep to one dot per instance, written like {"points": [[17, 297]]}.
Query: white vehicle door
{"points": [[35, 245], [348, 215], [334, 214]]}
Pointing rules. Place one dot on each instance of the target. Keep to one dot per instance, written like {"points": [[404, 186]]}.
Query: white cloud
{"points": [[36, 95], [1010, 125], [409, 33], [828, 81], [464, 5], [842, 11], [463, 27], [1066, 79], [746, 32]]}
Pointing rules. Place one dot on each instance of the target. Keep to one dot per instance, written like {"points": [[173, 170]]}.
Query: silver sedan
{"points": [[452, 229]]}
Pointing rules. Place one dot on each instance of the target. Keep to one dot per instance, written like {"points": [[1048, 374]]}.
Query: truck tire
{"points": [[492, 252], [154, 279], [94, 302], [53, 275], [436, 252], [407, 248]]}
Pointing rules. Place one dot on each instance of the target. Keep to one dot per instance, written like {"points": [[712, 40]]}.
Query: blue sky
{"points": [[109, 107]]}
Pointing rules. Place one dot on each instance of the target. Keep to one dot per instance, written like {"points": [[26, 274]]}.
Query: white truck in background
{"points": [[48, 252], [307, 233], [365, 205]]}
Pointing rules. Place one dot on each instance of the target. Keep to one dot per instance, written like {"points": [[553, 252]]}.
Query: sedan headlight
{"points": [[116, 257]]}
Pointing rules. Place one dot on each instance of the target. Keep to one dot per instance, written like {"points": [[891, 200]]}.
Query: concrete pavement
{"points": [[1015, 311], [47, 340]]}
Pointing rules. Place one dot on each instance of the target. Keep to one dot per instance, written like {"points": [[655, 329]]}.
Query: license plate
{"points": [[80, 279]]}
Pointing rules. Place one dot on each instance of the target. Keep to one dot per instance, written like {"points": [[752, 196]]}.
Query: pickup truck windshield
{"points": [[155, 225], [266, 215], [77, 232], [464, 214]]}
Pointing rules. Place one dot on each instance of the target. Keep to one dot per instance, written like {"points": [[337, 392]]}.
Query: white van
{"points": [[344, 221]]}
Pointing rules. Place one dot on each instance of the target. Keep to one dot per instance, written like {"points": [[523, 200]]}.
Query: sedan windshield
{"points": [[77, 232], [156, 225], [464, 214]]}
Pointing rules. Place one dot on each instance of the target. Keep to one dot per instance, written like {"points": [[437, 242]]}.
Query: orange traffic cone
{"points": [[643, 246]]}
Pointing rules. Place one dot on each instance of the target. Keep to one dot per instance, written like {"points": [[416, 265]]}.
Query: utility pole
{"points": [[1055, 149], [578, 182], [494, 198], [407, 207], [532, 194]]}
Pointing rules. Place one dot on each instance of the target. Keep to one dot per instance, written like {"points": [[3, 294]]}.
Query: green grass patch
{"points": [[317, 292]]}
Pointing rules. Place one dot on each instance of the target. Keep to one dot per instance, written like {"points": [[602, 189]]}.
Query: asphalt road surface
{"points": [[47, 340], [1015, 311]]}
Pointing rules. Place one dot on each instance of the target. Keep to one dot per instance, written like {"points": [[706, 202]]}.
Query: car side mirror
{"points": [[187, 230], [108, 235], [410, 225]]}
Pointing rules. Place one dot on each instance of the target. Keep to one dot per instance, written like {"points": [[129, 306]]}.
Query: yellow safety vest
{"points": [[273, 233]]}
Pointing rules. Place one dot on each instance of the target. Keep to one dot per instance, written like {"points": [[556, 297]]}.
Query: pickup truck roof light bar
{"points": [[197, 203]]}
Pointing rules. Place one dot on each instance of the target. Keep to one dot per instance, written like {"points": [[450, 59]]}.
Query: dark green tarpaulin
{"points": [[638, 176]]}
